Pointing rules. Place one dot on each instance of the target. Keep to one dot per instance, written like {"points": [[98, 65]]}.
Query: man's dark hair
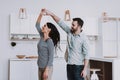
{"points": [[79, 21]]}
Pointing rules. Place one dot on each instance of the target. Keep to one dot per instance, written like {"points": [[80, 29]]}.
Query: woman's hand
{"points": [[45, 74], [47, 12], [43, 12]]}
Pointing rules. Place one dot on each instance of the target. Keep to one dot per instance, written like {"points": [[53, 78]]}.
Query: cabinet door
{"points": [[14, 24], [61, 52], [32, 28], [19, 26], [23, 70], [59, 69], [90, 26], [23, 26], [109, 37], [33, 70], [109, 30], [118, 39], [116, 69], [109, 49]]}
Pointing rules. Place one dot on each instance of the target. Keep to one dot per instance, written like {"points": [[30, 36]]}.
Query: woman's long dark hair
{"points": [[54, 34]]}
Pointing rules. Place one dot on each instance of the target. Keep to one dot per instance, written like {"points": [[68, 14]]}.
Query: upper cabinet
{"points": [[90, 26], [23, 28], [109, 35], [109, 39], [119, 38]]}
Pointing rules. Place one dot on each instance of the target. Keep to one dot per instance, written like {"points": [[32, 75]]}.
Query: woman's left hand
{"points": [[45, 75]]}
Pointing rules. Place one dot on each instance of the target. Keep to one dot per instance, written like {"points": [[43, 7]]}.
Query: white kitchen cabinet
{"points": [[23, 69], [22, 27], [27, 69], [119, 38], [32, 22], [109, 34], [109, 38], [90, 26], [59, 69], [26, 27], [14, 24]]}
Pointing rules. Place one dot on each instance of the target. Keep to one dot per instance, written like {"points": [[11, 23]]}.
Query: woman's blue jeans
{"points": [[74, 72]]}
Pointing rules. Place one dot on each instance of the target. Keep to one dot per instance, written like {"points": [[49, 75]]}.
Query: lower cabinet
{"points": [[27, 69], [59, 69], [22, 69]]}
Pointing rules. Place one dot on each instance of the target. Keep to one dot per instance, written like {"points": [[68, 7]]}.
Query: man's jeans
{"points": [[74, 72]]}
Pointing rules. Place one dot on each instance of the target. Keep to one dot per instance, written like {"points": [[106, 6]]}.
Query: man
{"points": [[78, 50]]}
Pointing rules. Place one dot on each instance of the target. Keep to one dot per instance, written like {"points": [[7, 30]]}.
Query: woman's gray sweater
{"points": [[45, 50]]}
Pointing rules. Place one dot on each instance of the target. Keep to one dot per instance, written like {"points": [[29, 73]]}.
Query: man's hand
{"points": [[84, 73], [47, 12], [43, 12]]}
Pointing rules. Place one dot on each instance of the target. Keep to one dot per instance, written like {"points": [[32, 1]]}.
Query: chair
{"points": [[94, 76]]}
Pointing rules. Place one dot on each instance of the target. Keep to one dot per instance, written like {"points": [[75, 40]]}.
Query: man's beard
{"points": [[73, 30]]}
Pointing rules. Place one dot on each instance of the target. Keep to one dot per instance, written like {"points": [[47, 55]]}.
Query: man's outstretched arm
{"points": [[65, 27]]}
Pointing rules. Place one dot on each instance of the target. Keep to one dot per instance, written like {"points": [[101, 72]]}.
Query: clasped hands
{"points": [[45, 12]]}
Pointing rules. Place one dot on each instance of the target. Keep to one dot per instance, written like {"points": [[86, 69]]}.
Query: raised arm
{"points": [[58, 21], [38, 23]]}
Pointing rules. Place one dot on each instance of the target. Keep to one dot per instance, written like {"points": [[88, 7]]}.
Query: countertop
{"points": [[103, 59], [29, 59], [24, 59], [61, 58]]}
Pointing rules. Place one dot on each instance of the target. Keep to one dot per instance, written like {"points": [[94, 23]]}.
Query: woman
{"points": [[50, 37]]}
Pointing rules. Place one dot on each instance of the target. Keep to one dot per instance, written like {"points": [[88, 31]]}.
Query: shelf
{"points": [[106, 19], [102, 59], [105, 72], [25, 39]]}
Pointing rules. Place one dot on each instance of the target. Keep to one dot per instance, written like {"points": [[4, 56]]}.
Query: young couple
{"points": [[78, 48]]}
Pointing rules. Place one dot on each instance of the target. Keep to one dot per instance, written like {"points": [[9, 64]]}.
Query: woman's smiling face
{"points": [[45, 29]]}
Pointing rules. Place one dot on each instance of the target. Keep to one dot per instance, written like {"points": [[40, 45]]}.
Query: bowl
{"points": [[20, 56]]}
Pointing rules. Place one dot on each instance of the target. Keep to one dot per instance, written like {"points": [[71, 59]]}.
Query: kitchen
{"points": [[80, 8]]}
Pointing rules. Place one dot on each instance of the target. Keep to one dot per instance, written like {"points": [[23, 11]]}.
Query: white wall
{"points": [[77, 7]]}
